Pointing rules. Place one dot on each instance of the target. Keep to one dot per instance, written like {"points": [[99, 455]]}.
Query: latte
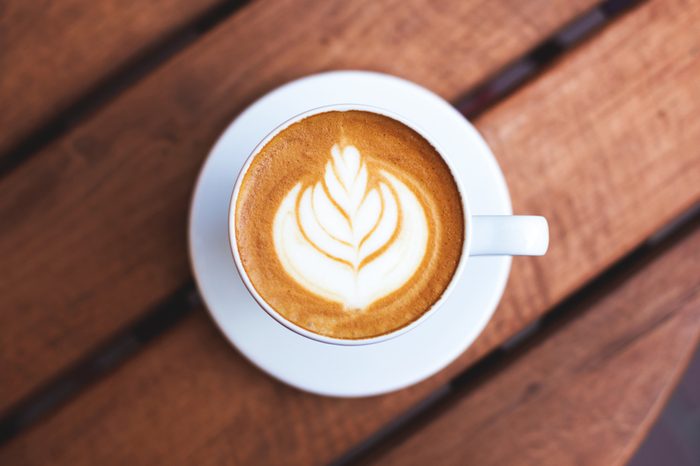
{"points": [[349, 224]]}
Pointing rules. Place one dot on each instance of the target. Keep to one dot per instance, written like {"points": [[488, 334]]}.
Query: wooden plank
{"points": [[95, 224], [237, 414], [53, 52], [588, 392]]}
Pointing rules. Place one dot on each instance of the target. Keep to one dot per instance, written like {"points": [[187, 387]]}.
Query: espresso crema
{"points": [[349, 224]]}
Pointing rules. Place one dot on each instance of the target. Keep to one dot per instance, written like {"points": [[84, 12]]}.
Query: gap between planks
{"points": [[109, 88]]}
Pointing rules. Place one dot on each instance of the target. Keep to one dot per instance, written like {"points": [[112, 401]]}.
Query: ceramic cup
{"points": [[485, 235]]}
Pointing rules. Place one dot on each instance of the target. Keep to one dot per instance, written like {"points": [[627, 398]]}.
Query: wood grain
{"points": [[588, 392], [599, 150], [53, 52], [94, 226]]}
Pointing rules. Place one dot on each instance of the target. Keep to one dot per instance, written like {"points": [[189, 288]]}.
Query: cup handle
{"points": [[509, 235]]}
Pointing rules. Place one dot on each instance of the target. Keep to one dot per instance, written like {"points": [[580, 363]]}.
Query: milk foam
{"points": [[354, 236]]}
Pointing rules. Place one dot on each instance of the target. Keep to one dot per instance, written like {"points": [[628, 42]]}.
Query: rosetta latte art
{"points": [[354, 236]]}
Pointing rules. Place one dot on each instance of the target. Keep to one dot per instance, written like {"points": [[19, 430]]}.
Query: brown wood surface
{"points": [[588, 392], [608, 164], [95, 225], [51, 52]]}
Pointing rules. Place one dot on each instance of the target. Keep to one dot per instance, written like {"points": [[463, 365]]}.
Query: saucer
{"points": [[346, 371]]}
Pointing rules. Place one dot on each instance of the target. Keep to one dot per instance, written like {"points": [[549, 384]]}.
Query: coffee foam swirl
{"points": [[353, 236]]}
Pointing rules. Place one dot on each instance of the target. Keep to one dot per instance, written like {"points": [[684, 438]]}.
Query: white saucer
{"points": [[346, 370]]}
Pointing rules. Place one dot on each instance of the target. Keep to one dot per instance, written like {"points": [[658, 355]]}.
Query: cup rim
{"points": [[233, 242]]}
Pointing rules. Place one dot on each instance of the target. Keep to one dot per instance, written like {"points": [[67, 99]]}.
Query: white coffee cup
{"points": [[485, 235]]}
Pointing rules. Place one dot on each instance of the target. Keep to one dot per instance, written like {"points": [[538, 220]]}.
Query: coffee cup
{"points": [[301, 280]]}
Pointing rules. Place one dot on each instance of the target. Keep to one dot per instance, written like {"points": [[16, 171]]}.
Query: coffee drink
{"points": [[349, 224]]}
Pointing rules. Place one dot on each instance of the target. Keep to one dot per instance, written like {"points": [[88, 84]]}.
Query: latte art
{"points": [[349, 224], [354, 236]]}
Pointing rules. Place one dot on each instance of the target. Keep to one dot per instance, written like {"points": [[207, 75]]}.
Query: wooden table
{"points": [[108, 110]]}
